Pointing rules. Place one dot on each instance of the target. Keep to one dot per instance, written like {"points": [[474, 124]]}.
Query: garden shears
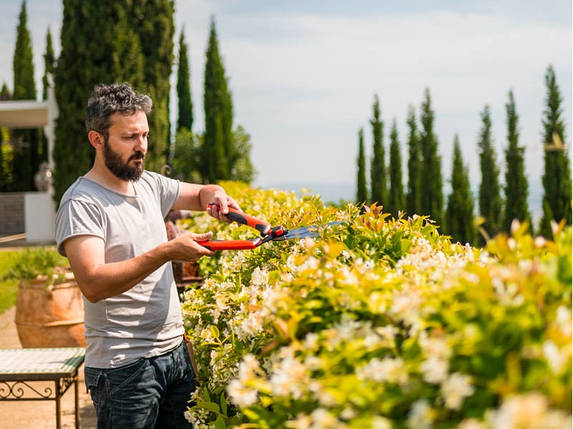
{"points": [[267, 232]]}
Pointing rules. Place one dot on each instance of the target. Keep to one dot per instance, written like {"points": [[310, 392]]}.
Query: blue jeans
{"points": [[148, 393]]}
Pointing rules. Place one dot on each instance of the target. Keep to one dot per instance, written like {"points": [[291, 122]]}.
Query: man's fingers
{"points": [[202, 237]]}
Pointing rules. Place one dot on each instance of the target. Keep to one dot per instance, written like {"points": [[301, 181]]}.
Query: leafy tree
{"points": [[187, 156], [432, 198], [26, 142], [557, 173], [361, 175], [185, 112], [396, 195], [413, 200], [459, 212], [516, 187], [377, 167], [133, 43], [490, 202], [242, 168], [216, 99]]}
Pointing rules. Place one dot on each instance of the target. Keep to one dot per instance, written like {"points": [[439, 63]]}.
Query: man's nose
{"points": [[141, 143]]}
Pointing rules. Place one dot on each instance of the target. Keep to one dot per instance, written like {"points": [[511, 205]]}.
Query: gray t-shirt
{"points": [[146, 320]]}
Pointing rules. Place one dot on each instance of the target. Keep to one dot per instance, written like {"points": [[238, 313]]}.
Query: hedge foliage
{"points": [[380, 323]]}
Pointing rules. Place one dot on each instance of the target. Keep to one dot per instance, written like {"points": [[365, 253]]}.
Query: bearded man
{"points": [[110, 225]]}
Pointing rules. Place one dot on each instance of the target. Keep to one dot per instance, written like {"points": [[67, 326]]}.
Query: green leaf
{"points": [[211, 406], [220, 422], [223, 403]]}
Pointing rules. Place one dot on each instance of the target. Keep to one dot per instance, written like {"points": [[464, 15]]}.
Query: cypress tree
{"points": [[185, 112], [515, 181], [490, 202], [216, 104], [377, 167], [459, 212], [49, 64], [361, 174], [432, 198], [396, 195], [49, 68], [413, 200], [4, 136], [152, 21], [113, 53], [557, 172], [26, 142]]}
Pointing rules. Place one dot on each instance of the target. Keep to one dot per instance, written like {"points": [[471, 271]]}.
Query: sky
{"points": [[304, 75]]}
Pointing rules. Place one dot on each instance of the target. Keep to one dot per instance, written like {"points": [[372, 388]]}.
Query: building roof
{"points": [[23, 113]]}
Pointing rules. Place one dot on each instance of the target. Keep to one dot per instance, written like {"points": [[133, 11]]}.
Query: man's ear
{"points": [[96, 139]]}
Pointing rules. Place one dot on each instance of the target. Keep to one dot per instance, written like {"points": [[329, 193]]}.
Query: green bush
{"points": [[380, 323], [33, 263]]}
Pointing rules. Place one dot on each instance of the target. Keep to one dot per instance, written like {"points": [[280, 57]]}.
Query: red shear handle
{"points": [[244, 219], [230, 244]]}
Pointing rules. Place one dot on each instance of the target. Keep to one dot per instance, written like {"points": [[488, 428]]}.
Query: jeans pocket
{"points": [[124, 375], [95, 383]]}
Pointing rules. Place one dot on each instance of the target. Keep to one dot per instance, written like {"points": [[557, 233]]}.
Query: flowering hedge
{"points": [[380, 323]]}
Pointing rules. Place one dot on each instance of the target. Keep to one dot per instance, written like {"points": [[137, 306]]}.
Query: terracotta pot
{"points": [[50, 316]]}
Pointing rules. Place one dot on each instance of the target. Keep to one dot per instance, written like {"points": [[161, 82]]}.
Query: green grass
{"points": [[8, 288]]}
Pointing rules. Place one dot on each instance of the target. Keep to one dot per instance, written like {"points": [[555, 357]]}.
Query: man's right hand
{"points": [[185, 247]]}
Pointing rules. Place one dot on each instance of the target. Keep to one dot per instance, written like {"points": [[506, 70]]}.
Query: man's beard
{"points": [[120, 169]]}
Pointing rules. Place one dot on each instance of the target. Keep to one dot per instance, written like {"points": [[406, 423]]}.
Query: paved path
{"points": [[40, 414]]}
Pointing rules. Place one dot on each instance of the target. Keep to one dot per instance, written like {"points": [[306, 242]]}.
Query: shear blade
{"points": [[306, 231]]}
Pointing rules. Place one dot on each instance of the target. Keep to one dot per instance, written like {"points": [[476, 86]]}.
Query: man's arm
{"points": [[198, 197], [98, 280]]}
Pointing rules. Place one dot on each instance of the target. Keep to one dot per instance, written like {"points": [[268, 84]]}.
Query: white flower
{"points": [[290, 377], [259, 277], [528, 411], [455, 389], [250, 326], [389, 370], [435, 370], [322, 419], [303, 421], [564, 320], [311, 341], [241, 395], [378, 422], [420, 416], [198, 416], [554, 356], [348, 413], [471, 424], [435, 347]]}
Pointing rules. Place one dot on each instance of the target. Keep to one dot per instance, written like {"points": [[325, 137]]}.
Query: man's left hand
{"points": [[219, 206]]}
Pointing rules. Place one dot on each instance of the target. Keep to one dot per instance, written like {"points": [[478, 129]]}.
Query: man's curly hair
{"points": [[106, 100]]}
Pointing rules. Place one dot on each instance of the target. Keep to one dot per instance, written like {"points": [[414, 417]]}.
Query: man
{"points": [[110, 225]]}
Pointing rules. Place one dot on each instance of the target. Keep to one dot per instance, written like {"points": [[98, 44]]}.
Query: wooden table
{"points": [[21, 368]]}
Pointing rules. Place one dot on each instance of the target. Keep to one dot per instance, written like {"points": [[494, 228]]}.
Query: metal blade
{"points": [[306, 231]]}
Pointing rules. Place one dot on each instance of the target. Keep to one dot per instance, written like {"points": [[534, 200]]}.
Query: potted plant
{"points": [[49, 305]]}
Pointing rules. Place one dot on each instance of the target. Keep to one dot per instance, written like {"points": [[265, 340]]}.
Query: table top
{"points": [[40, 364]]}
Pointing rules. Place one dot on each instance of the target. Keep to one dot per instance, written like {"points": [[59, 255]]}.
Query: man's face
{"points": [[124, 150]]}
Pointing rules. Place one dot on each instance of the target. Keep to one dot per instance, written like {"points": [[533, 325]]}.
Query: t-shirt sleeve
{"points": [[78, 218], [168, 192]]}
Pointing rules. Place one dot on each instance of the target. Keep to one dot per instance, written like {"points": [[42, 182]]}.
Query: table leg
{"points": [[58, 406], [77, 400]]}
